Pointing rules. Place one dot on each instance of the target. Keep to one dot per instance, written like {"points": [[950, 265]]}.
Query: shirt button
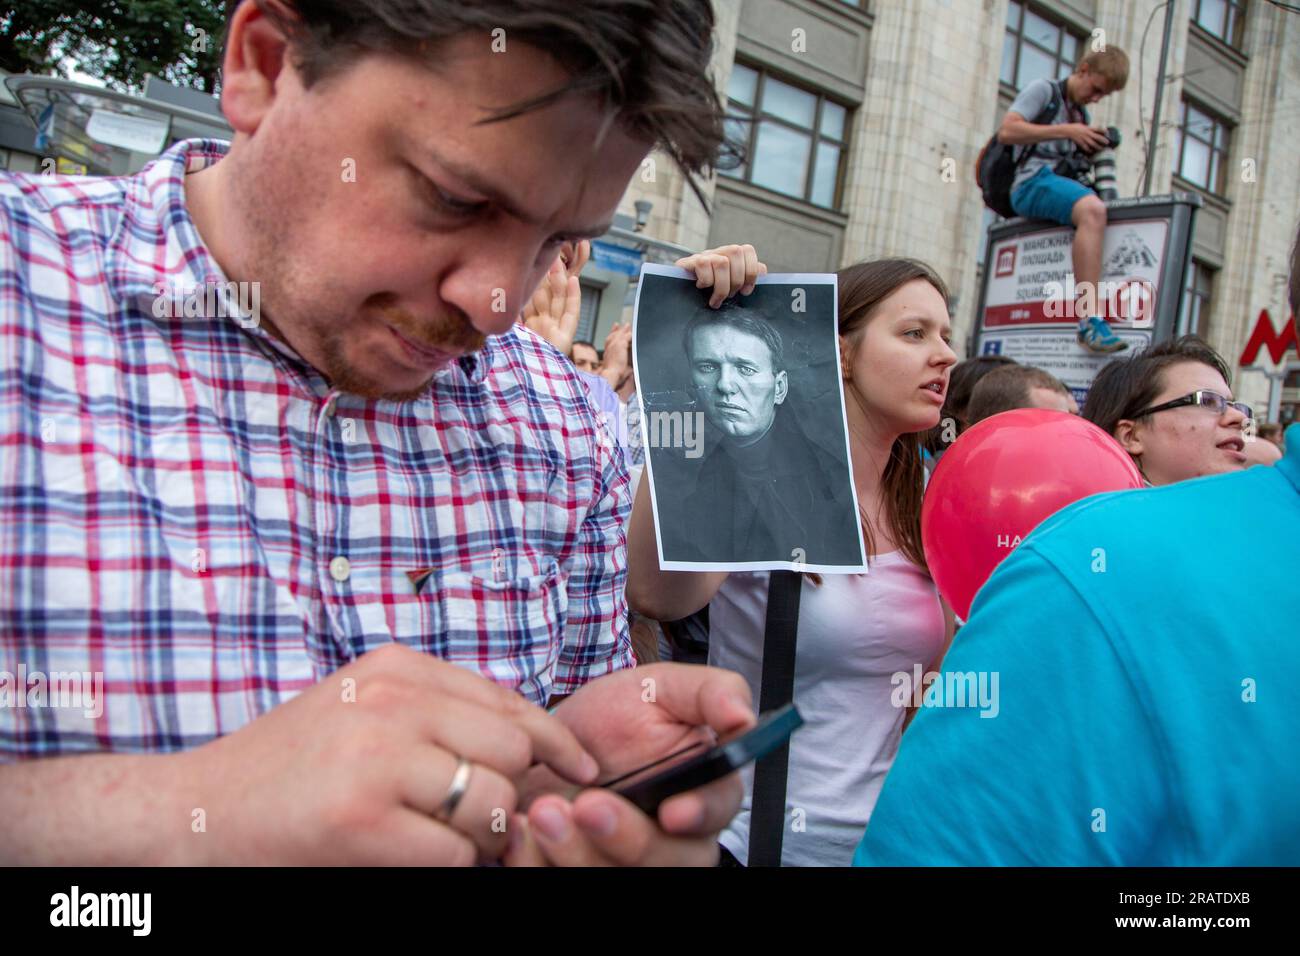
{"points": [[340, 568]]}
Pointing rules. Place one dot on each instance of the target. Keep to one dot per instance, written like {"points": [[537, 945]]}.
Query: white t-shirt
{"points": [[855, 632]]}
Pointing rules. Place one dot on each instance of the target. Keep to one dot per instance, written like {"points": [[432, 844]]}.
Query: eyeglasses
{"points": [[1202, 396]]}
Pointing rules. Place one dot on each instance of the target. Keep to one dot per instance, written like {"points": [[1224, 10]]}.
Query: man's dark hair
{"points": [[1126, 386], [962, 381], [586, 343], [737, 316], [646, 59], [1008, 387], [963, 378]]}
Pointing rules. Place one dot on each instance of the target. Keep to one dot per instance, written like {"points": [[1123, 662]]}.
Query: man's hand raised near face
{"points": [[574, 255], [553, 310], [555, 306], [617, 362]]}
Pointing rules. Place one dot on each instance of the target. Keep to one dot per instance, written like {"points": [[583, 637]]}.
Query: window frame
{"points": [[755, 116], [1064, 26], [589, 308], [1201, 296], [1238, 24], [1223, 152]]}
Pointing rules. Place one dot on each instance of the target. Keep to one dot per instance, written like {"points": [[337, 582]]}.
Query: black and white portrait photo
{"points": [[743, 422]]}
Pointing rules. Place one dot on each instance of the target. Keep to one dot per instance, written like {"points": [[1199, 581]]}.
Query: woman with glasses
{"points": [[1171, 408]]}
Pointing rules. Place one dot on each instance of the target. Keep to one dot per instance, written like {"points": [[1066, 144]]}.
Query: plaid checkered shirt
{"points": [[191, 511]]}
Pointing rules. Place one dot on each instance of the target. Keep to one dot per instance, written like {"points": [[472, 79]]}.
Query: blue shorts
{"points": [[1046, 195]]}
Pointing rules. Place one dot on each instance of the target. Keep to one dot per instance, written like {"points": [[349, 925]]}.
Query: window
{"points": [[588, 313], [1201, 148], [1196, 298], [795, 138], [1289, 409], [988, 220], [1035, 47], [1223, 18]]}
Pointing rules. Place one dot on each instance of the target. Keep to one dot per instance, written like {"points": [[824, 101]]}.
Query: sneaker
{"points": [[1095, 335]]}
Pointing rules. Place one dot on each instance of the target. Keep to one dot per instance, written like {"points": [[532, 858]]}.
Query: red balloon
{"points": [[1000, 480]]}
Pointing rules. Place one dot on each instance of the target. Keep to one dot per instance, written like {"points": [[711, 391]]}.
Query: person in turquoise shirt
{"points": [[1146, 647]]}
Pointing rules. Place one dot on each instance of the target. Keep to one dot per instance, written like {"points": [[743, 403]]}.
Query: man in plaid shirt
{"points": [[282, 478]]}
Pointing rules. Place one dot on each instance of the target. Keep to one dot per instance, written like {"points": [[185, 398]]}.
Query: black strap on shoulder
{"points": [[1046, 115], [1059, 96], [767, 809]]}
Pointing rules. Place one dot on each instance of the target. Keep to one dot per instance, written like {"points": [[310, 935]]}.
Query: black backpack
{"points": [[996, 167]]}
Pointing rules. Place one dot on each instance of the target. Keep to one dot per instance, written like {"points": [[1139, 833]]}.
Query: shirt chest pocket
{"points": [[531, 495], [509, 630]]}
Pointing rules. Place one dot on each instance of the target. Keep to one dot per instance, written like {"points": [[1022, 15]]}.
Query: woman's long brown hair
{"points": [[863, 287]]}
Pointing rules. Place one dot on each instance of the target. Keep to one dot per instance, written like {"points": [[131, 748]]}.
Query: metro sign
{"points": [[1277, 342], [1006, 264]]}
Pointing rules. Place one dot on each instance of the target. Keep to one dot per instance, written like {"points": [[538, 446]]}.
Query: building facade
{"points": [[863, 121]]}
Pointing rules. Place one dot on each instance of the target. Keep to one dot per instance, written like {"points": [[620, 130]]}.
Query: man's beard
{"points": [[342, 376], [451, 332]]}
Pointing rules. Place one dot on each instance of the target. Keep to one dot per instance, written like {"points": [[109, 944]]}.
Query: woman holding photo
{"points": [[855, 631]]}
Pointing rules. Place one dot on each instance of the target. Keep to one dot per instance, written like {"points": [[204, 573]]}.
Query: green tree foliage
{"points": [[118, 41]]}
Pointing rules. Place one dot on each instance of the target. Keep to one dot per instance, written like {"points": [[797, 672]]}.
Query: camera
{"points": [[1097, 171], [1103, 167]]}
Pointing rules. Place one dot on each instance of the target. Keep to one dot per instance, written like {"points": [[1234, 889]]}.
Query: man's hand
{"points": [[353, 770], [728, 269], [555, 306], [553, 310], [616, 364], [574, 256], [1085, 137], [626, 720]]}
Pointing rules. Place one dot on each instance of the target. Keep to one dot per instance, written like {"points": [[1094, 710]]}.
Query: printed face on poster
{"points": [[742, 412]]}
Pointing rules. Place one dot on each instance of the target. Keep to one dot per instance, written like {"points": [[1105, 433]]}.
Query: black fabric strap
{"points": [[1059, 95], [767, 809]]}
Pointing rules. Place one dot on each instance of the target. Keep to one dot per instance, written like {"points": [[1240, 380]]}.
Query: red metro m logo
{"points": [[1277, 342], [1006, 264]]}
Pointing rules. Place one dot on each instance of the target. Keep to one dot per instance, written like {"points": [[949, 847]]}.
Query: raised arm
{"points": [[672, 595], [658, 594]]}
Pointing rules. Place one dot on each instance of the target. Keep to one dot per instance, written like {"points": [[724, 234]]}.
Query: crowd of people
{"points": [[857, 631], [372, 577]]}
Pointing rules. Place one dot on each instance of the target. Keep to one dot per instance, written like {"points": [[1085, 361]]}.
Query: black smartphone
{"points": [[702, 763]]}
